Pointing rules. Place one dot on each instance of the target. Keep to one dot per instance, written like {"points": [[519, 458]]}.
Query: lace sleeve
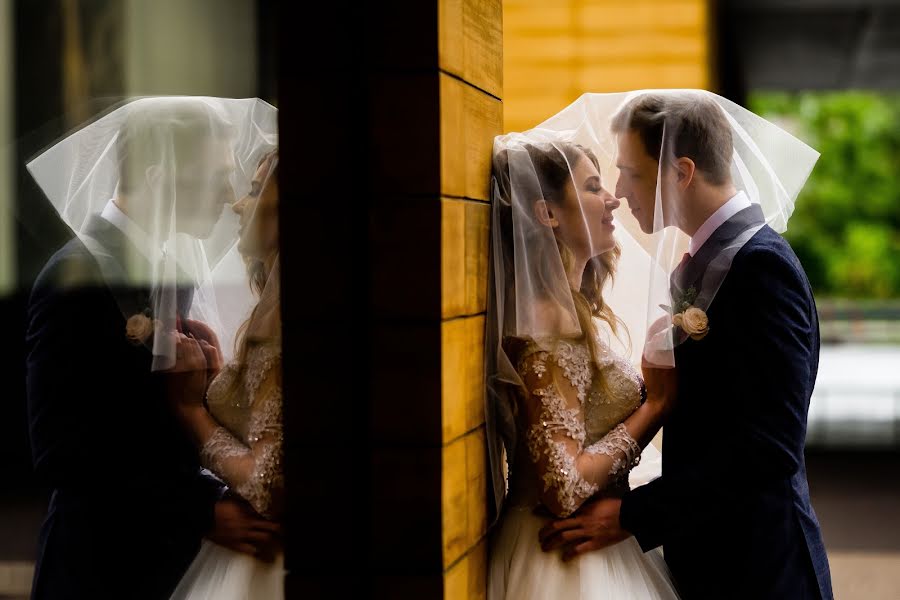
{"points": [[253, 468], [557, 385]]}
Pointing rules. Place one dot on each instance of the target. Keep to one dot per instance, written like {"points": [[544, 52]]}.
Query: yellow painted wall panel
{"points": [[471, 41], [470, 119], [462, 364], [465, 229], [612, 46], [454, 502]]}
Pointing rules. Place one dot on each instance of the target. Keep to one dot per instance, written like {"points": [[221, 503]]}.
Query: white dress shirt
{"points": [[133, 232], [736, 204]]}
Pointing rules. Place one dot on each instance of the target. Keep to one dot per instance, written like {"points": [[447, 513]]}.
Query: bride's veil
{"points": [[174, 166], [530, 299], [766, 163]]}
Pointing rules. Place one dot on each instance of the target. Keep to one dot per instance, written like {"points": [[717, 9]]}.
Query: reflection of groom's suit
{"points": [[129, 505], [732, 508]]}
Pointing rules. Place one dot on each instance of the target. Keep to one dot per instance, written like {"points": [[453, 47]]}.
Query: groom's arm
{"points": [[60, 413], [778, 351], [643, 513], [774, 350], [82, 419], [763, 415]]}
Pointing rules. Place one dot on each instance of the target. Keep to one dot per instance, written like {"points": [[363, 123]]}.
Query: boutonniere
{"points": [[692, 320], [140, 327]]}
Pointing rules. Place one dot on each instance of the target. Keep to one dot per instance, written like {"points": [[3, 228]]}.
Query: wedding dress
{"points": [[246, 453], [577, 405]]}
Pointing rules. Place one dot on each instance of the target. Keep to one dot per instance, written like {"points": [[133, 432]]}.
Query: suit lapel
{"points": [[123, 265], [692, 272]]}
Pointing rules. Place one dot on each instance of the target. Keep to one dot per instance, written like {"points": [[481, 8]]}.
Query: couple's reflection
{"points": [[130, 390]]}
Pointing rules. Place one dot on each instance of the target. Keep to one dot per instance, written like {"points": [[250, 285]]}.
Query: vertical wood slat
{"points": [[471, 116]]}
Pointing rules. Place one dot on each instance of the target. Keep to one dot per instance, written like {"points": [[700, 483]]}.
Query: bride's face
{"points": [[585, 220], [258, 212]]}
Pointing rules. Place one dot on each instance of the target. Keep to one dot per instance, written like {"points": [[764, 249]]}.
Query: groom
{"points": [[129, 504], [731, 509]]}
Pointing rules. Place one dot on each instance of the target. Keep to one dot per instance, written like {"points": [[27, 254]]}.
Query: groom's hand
{"points": [[237, 526], [594, 526]]}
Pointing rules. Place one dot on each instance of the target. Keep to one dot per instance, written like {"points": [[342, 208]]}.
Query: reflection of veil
{"points": [[254, 318], [764, 162], [174, 163], [265, 324]]}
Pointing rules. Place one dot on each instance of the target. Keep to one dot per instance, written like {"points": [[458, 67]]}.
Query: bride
{"points": [[572, 412], [238, 428]]}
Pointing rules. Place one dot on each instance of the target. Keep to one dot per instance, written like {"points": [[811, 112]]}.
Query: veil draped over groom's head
{"points": [[653, 150], [169, 168]]}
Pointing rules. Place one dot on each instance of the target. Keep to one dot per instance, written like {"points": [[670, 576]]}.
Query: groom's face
{"points": [[637, 178], [203, 188]]}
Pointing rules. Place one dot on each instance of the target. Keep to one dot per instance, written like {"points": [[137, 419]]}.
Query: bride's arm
{"points": [[662, 388], [252, 469], [555, 435]]}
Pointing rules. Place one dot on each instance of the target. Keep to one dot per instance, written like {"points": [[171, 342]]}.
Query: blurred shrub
{"points": [[846, 226]]}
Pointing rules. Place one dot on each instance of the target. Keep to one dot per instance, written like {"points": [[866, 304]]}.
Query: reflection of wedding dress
{"points": [[246, 453], [519, 569]]}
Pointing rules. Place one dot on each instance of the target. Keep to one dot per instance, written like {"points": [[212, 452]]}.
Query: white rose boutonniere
{"points": [[693, 321], [139, 328]]}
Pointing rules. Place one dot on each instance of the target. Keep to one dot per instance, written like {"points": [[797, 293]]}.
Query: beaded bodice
{"points": [[246, 451], [574, 408]]}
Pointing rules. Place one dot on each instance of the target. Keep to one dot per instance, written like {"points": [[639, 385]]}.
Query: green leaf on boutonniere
{"points": [[686, 300], [690, 296], [666, 308]]}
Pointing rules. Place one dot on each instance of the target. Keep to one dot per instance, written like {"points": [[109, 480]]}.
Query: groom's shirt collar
{"points": [[736, 204], [137, 236]]}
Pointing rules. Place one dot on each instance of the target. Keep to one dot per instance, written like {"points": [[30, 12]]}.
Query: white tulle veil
{"points": [[169, 168], [765, 163]]}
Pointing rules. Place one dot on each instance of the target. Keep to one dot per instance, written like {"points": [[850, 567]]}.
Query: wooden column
{"points": [[471, 115], [386, 137]]}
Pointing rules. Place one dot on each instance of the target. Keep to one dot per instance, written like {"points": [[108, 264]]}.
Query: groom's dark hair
{"points": [[696, 127]]}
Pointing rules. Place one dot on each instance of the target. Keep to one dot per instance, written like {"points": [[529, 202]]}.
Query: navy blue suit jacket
{"points": [[129, 504], [732, 508]]}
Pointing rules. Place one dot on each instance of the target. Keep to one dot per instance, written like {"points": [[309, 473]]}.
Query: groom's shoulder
{"points": [[770, 254], [71, 267]]}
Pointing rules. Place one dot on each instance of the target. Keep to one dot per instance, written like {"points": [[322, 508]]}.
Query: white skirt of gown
{"points": [[219, 573], [520, 570]]}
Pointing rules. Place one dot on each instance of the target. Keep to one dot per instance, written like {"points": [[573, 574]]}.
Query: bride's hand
{"points": [[209, 343], [662, 385], [188, 377]]}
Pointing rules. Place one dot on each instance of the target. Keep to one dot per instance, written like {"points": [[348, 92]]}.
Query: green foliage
{"points": [[846, 225]]}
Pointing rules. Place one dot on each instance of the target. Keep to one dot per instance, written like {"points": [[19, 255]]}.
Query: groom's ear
{"points": [[544, 214], [684, 171]]}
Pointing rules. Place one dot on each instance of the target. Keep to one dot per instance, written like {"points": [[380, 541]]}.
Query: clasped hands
{"points": [[594, 526], [198, 359]]}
